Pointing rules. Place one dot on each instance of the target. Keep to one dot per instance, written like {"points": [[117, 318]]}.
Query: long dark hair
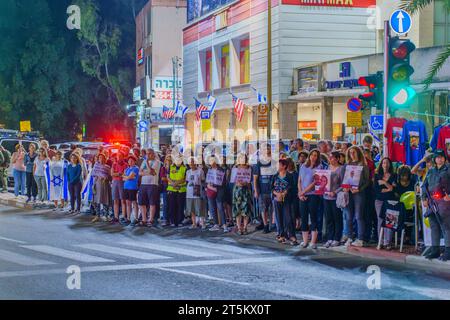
{"points": [[380, 170], [308, 163]]}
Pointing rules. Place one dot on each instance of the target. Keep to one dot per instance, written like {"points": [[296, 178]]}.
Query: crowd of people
{"points": [[337, 194]]}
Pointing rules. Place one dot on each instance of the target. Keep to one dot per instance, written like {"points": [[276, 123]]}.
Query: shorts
{"points": [[148, 195], [265, 202], [117, 190], [130, 195], [195, 206]]}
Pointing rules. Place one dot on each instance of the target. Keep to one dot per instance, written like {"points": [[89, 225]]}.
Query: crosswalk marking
{"points": [[21, 259], [221, 247], [123, 252], [72, 255], [171, 249]]}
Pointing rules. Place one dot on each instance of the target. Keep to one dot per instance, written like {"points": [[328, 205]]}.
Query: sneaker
{"points": [[104, 219], [358, 243], [28, 200], [335, 244], [173, 225], [304, 245], [193, 227], [215, 228], [266, 229], [96, 219], [203, 227], [328, 244], [313, 246], [344, 239], [133, 224], [226, 229], [348, 242]]}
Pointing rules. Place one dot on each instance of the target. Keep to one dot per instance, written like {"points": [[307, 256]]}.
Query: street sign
{"points": [[400, 21], [263, 116], [376, 123], [205, 115], [354, 105], [354, 119], [143, 126], [25, 126]]}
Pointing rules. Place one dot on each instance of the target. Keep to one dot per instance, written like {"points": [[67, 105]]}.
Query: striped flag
{"points": [[184, 110], [212, 102], [168, 113], [261, 98], [239, 107], [199, 107]]}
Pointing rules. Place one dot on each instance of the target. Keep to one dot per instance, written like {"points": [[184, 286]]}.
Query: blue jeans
{"points": [[345, 230], [165, 204], [217, 211], [19, 182]]}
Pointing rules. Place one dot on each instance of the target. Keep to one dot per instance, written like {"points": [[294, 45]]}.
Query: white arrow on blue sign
{"points": [[400, 21]]}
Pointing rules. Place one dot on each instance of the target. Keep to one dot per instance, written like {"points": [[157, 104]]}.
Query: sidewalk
{"points": [[257, 238]]}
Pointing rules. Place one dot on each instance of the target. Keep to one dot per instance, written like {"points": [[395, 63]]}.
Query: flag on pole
{"points": [[181, 108], [261, 98], [168, 113], [212, 102], [239, 107], [199, 107]]}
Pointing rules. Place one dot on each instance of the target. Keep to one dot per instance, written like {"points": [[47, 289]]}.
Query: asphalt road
{"points": [[37, 248]]}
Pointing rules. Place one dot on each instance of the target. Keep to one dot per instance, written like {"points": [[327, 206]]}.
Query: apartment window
{"points": [[244, 61], [208, 70], [225, 67], [441, 24]]}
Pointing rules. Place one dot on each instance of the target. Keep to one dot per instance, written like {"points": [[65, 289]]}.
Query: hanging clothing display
{"points": [[444, 140], [435, 137], [394, 136], [414, 139]]}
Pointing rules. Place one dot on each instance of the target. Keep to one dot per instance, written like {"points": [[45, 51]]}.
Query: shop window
{"points": [[225, 67], [244, 60], [441, 24], [208, 70]]}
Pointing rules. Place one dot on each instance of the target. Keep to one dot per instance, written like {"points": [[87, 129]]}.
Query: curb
{"points": [[12, 202]]}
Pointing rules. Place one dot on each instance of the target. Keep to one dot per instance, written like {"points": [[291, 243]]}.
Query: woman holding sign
{"points": [[356, 180], [309, 201], [242, 197], [215, 192]]}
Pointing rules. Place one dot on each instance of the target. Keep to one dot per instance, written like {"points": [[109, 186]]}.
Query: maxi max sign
{"points": [[345, 74]]}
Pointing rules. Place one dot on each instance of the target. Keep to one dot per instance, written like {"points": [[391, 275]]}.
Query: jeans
{"points": [[42, 188], [75, 194], [387, 233], [31, 186], [165, 204], [217, 211], [356, 210], [19, 182], [176, 201], [285, 220], [333, 217], [309, 211], [370, 215]]}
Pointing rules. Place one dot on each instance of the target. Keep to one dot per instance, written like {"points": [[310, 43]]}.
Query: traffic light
{"points": [[374, 98], [400, 93]]}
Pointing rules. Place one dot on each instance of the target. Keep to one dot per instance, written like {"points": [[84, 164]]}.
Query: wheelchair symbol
{"points": [[376, 125]]}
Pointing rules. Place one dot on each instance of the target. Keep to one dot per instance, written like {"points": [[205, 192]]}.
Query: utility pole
{"points": [[175, 64], [387, 36], [269, 69]]}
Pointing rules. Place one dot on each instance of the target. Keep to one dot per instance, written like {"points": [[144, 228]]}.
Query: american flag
{"points": [[168, 113], [239, 107], [199, 107]]}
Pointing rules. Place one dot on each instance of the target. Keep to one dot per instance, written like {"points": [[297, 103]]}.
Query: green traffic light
{"points": [[403, 96]]}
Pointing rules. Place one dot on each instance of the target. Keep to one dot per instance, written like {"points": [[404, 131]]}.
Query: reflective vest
{"points": [[177, 174]]}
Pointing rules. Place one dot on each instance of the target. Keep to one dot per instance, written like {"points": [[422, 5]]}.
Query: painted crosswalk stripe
{"points": [[122, 252], [72, 255], [221, 247], [172, 249], [16, 258]]}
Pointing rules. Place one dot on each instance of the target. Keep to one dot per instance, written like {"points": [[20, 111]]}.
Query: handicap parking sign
{"points": [[376, 123]]}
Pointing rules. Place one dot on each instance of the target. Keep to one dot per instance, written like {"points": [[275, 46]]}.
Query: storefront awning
{"points": [[323, 94]]}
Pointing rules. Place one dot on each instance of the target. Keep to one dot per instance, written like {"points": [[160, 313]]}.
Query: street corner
{"points": [[8, 199]]}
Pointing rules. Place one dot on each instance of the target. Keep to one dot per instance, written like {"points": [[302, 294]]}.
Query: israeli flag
{"points": [[56, 178], [261, 98], [181, 107], [87, 194], [212, 102]]}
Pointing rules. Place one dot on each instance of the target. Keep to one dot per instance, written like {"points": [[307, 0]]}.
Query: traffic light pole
{"points": [[387, 37], [269, 69]]}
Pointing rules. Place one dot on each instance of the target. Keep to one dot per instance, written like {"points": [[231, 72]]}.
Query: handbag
{"points": [[211, 194], [342, 200]]}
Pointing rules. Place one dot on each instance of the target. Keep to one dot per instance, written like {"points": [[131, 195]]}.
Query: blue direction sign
{"points": [[205, 115], [354, 105], [400, 21], [376, 123], [143, 126]]}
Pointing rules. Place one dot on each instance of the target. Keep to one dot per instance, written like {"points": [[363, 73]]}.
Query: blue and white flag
{"points": [[87, 194], [212, 102], [261, 98], [56, 178], [181, 107]]}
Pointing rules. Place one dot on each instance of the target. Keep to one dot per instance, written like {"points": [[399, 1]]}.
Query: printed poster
{"points": [[352, 176], [322, 181], [242, 175], [397, 134], [414, 140], [391, 219], [215, 177]]}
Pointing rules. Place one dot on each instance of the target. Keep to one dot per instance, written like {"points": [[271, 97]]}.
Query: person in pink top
{"points": [[19, 170], [117, 171]]}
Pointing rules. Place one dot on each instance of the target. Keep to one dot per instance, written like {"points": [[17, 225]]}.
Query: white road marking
{"points": [[21, 259], [203, 276], [171, 249], [12, 240], [143, 266], [72, 255], [122, 252], [221, 247]]}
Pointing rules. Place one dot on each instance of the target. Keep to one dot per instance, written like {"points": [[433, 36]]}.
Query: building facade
{"points": [[159, 70], [225, 51]]}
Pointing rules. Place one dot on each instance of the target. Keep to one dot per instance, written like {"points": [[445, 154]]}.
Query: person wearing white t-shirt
{"points": [[195, 177], [149, 189]]}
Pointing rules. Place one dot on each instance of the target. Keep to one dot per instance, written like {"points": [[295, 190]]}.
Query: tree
{"points": [[413, 6]]}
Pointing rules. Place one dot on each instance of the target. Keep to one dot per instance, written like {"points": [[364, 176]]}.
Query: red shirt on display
{"points": [[394, 133], [444, 140]]}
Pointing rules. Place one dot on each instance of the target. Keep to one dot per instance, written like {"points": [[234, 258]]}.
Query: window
{"points": [[244, 61], [208, 70], [148, 66], [149, 22], [441, 24], [225, 67]]}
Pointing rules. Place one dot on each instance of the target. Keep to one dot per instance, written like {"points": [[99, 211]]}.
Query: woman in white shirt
{"points": [[39, 174]]}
